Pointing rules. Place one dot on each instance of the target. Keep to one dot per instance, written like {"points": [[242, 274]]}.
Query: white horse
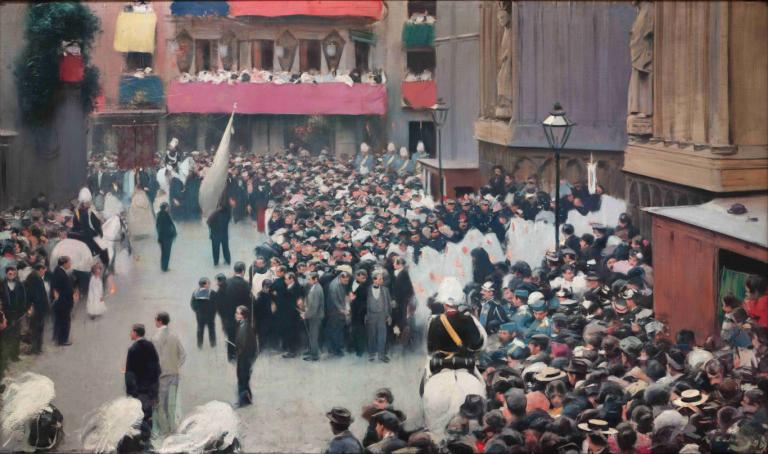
{"points": [[113, 239], [444, 392]]}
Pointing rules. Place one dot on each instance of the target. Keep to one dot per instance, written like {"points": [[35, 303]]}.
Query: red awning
{"points": [[327, 8], [419, 94], [291, 99]]}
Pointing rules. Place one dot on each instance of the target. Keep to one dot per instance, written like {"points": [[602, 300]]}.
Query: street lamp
{"points": [[557, 129], [439, 115]]}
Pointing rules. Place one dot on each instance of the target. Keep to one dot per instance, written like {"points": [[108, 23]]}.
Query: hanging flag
{"points": [[135, 32]]}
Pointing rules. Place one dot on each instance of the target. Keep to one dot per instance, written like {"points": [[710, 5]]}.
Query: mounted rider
{"points": [[86, 225], [455, 337]]}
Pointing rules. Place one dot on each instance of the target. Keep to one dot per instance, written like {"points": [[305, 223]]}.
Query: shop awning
{"points": [[190, 8], [290, 99], [326, 8], [135, 32], [419, 94]]}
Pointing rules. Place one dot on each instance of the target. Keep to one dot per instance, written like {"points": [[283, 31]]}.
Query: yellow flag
{"points": [[135, 32]]}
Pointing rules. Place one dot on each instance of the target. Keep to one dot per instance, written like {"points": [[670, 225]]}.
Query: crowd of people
{"points": [[570, 353]]}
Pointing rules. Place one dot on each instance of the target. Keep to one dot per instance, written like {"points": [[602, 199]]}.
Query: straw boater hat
{"points": [[550, 374], [598, 425], [690, 398]]}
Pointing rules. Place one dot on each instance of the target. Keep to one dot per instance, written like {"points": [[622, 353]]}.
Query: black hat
{"points": [[737, 208], [578, 366], [340, 416], [473, 407], [387, 419]]}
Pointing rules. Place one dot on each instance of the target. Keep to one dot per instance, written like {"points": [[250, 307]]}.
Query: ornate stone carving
{"points": [[640, 96], [504, 76]]}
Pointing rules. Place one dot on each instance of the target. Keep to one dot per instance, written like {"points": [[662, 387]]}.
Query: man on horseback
{"points": [[86, 226], [454, 337]]}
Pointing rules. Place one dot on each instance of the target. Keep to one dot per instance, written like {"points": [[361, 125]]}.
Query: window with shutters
{"points": [[362, 55], [263, 54]]}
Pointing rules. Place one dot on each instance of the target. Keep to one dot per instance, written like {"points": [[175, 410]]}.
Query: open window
{"points": [[422, 6], [423, 131], [228, 51], [206, 55], [263, 54], [183, 49], [136, 61], [309, 55], [362, 56], [418, 61]]}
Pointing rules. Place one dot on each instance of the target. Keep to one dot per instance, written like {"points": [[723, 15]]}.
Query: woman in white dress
{"points": [[95, 305], [141, 215]]}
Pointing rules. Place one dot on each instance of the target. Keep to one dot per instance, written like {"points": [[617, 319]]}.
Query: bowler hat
{"points": [[340, 415], [387, 419]]}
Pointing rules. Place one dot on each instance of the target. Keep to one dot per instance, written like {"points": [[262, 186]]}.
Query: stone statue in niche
{"points": [[640, 97], [504, 76]]}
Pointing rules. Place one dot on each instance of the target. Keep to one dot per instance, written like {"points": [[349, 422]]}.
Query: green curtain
{"points": [[418, 35], [731, 282]]}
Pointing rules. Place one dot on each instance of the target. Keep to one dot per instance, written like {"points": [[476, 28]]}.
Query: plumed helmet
{"points": [[403, 152], [364, 147], [420, 146], [84, 195], [174, 143], [390, 147], [450, 292]]}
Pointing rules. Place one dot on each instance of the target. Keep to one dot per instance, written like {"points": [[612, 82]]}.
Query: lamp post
{"points": [[439, 115], [557, 129]]}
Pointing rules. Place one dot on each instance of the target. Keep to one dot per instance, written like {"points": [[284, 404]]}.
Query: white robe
{"points": [[95, 304], [141, 216]]}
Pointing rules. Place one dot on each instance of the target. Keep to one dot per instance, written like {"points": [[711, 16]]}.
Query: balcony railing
{"points": [[269, 98]]}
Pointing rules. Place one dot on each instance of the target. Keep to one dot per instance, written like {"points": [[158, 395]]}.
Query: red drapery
{"points": [[420, 94], [291, 99], [327, 8], [71, 68]]}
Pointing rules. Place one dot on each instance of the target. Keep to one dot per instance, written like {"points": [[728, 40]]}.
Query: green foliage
{"points": [[37, 67]]}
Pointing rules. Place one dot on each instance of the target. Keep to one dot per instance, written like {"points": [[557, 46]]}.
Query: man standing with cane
{"points": [[313, 315]]}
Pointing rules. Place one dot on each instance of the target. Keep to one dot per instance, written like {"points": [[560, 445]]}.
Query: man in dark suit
{"points": [[378, 316], [246, 356], [237, 292], [142, 375], [15, 305], [64, 295], [38, 299], [218, 226], [166, 232], [402, 294]]}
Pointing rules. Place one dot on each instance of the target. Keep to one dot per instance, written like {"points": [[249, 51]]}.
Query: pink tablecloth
{"points": [[328, 8], [297, 99]]}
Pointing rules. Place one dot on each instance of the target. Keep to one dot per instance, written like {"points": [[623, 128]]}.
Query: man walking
{"points": [[378, 316], [336, 312], [142, 375], [166, 232], [237, 292], [38, 299], [172, 355], [313, 315], [64, 295], [218, 226], [204, 307], [246, 356]]}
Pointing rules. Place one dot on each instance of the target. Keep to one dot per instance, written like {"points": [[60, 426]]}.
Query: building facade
{"points": [[537, 53], [415, 45], [697, 112]]}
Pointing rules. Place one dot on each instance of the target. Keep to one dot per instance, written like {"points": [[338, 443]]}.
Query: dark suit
{"points": [[38, 298], [85, 227], [218, 226], [62, 306], [166, 232], [402, 294], [15, 305], [246, 356], [237, 292], [142, 378]]}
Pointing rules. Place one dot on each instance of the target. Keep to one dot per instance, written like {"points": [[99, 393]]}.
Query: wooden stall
{"points": [[688, 244]]}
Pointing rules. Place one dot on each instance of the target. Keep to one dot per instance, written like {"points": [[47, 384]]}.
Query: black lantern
{"points": [[557, 129], [439, 115]]}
